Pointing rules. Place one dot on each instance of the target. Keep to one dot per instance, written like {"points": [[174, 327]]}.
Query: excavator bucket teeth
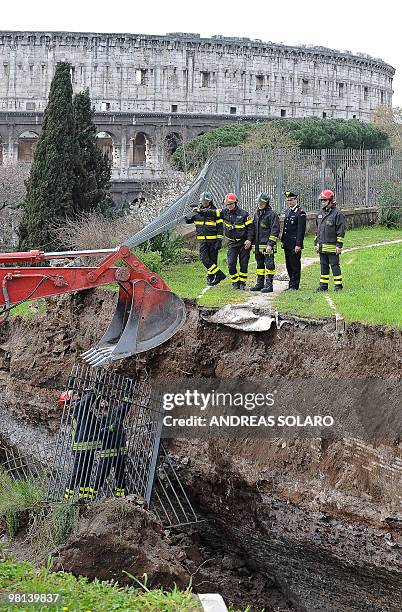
{"points": [[145, 317]]}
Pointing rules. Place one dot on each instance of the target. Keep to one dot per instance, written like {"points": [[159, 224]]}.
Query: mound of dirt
{"points": [[117, 536]]}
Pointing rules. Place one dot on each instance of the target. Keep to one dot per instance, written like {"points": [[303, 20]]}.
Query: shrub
{"points": [[152, 259], [389, 201], [167, 244]]}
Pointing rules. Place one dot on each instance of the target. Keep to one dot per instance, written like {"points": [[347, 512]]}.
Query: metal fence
{"points": [[356, 176]]}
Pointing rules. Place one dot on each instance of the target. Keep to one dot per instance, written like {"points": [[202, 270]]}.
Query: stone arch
{"points": [[173, 140], [139, 145], [27, 142], [105, 143]]}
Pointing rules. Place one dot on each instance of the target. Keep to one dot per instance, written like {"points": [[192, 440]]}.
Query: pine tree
{"points": [[50, 184], [93, 169]]}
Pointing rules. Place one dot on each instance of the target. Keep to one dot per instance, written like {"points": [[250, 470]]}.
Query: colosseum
{"points": [[152, 92]]}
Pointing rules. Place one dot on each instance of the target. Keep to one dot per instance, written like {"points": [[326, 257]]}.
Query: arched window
{"points": [[105, 143], [27, 142], [139, 150], [173, 141]]}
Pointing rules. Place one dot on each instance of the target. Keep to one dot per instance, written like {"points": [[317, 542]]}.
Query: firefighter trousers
{"points": [[209, 255], [81, 474], [327, 260], [118, 463], [237, 253], [293, 266], [265, 263]]}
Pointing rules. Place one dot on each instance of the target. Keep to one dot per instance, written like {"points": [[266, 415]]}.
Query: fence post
{"points": [[367, 181], [279, 179], [323, 166]]}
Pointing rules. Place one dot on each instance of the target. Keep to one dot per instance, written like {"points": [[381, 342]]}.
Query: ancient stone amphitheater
{"points": [[151, 92]]}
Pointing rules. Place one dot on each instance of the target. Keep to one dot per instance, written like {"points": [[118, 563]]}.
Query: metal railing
{"points": [[356, 177]]}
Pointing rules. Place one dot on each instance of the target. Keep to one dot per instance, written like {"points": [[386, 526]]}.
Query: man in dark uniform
{"points": [[329, 240], [114, 445], [265, 236], [208, 224], [238, 228], [85, 440], [294, 228]]}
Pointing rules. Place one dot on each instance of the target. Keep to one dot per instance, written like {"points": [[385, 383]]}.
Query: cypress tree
{"points": [[50, 184], [93, 169]]}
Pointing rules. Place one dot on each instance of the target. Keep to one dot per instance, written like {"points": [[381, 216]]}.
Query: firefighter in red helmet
{"points": [[329, 240], [238, 228]]}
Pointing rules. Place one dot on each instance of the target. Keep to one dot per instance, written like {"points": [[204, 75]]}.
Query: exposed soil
{"points": [[316, 520]]}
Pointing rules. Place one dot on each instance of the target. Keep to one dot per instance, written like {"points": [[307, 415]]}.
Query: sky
{"points": [[356, 26]]}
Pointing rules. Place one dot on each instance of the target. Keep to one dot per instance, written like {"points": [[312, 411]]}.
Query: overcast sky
{"points": [[365, 26]]}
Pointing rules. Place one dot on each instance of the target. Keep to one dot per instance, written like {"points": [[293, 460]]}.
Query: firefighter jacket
{"points": [[237, 224], [113, 436], [208, 223], [86, 426], [265, 228], [294, 228], [330, 229]]}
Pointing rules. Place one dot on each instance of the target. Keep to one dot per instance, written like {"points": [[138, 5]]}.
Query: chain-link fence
{"points": [[356, 176]]}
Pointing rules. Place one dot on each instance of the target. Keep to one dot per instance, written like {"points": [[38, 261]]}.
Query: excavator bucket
{"points": [[145, 317]]}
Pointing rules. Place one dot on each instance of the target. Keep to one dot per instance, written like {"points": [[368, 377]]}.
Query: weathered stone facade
{"points": [[150, 92]]}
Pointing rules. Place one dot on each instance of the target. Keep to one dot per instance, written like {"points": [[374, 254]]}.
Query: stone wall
{"points": [[185, 73]]}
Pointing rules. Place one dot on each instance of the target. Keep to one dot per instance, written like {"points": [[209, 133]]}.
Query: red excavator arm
{"points": [[147, 312]]}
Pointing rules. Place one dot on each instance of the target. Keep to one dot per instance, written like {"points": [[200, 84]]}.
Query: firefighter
{"points": [[294, 228], [265, 236], [208, 224], [114, 446], [238, 228], [85, 440], [329, 240]]}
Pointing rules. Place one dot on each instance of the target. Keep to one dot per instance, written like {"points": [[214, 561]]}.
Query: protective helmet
{"points": [[327, 194], [66, 397], [231, 198], [263, 198], [205, 197]]}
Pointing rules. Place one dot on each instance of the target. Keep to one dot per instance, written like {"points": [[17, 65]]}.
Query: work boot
{"points": [[322, 287], [338, 287], [236, 285], [219, 276], [210, 279], [242, 285], [291, 289], [259, 284], [269, 285]]}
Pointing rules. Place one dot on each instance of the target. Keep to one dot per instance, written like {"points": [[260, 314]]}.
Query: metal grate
{"points": [[108, 439], [170, 501], [133, 410], [356, 176]]}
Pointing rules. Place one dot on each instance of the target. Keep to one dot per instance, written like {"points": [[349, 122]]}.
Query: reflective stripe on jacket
{"points": [[265, 227], [208, 223], [237, 225], [330, 229]]}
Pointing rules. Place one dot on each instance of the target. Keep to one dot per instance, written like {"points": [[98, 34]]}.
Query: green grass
{"points": [[188, 280], [80, 594], [16, 497], [29, 309], [372, 289]]}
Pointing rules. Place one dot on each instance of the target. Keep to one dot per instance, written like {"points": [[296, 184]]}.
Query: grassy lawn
{"points": [[372, 289], [188, 280], [80, 594]]}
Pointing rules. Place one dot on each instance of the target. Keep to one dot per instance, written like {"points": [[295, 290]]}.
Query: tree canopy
{"points": [[93, 169], [308, 133], [50, 183]]}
